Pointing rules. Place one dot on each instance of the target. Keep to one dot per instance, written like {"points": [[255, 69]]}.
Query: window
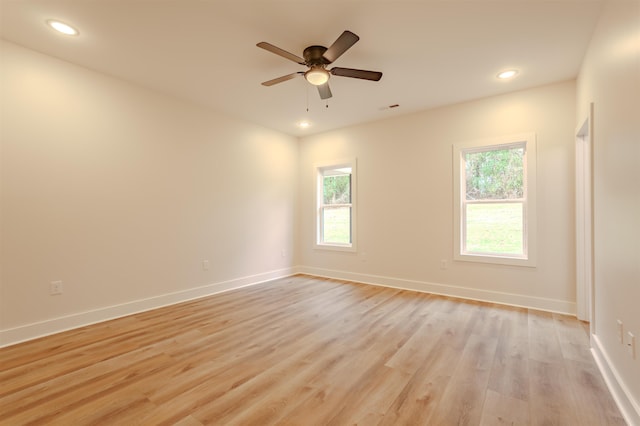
{"points": [[336, 206], [494, 184]]}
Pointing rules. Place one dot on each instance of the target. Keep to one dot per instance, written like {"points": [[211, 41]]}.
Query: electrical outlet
{"points": [[443, 264], [283, 253], [631, 345], [55, 288], [205, 265], [363, 257], [620, 331]]}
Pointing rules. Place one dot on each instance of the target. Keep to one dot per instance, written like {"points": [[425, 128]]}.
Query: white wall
{"points": [[405, 201], [610, 78], [121, 193]]}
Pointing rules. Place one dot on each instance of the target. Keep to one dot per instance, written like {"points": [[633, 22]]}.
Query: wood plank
{"points": [[463, 399], [72, 386], [574, 342], [544, 345], [503, 410], [418, 400], [510, 370], [591, 396], [552, 401]]}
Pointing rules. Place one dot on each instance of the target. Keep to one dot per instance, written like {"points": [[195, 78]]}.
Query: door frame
{"points": [[585, 288]]}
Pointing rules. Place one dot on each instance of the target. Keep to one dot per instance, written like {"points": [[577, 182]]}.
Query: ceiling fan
{"points": [[317, 58]]}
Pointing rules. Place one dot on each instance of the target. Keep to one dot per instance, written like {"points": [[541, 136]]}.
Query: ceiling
{"points": [[432, 53]]}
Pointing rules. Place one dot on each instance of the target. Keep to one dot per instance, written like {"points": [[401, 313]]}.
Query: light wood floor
{"points": [[308, 351]]}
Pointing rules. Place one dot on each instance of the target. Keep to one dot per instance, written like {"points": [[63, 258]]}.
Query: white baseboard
{"points": [[629, 408], [56, 325], [550, 305]]}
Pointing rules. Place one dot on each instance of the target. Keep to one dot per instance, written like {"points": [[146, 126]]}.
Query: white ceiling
{"points": [[432, 53]]}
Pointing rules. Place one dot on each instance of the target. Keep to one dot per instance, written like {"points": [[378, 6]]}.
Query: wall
{"points": [[121, 193], [405, 201], [610, 78]]}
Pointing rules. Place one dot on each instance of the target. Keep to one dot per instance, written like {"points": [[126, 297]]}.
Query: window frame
{"points": [[528, 142], [319, 204]]}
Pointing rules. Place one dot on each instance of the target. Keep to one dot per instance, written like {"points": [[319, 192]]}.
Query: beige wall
{"points": [[405, 202], [610, 78], [121, 193]]}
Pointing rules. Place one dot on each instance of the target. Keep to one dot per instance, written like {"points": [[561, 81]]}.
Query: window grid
{"points": [[485, 201], [506, 234], [335, 228]]}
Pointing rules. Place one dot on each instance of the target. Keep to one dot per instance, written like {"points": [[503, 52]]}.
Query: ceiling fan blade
{"points": [[274, 49], [324, 91], [281, 79], [350, 72], [344, 42]]}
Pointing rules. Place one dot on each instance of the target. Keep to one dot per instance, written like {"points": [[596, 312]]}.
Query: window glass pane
{"points": [[494, 175], [495, 228], [336, 225], [336, 189]]}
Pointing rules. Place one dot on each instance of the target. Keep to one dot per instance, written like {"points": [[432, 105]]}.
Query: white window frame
{"points": [[526, 140], [319, 174]]}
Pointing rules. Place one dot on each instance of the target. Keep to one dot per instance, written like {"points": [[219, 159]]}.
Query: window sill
{"points": [[335, 247], [496, 260]]}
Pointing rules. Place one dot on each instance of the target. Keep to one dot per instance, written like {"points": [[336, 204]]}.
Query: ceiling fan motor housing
{"points": [[313, 56]]}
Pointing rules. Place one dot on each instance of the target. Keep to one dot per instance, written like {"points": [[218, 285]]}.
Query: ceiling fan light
{"points": [[317, 76]]}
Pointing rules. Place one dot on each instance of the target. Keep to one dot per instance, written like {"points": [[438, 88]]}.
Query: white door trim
{"points": [[584, 222]]}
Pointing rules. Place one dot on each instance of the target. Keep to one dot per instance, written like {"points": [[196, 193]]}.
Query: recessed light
{"points": [[507, 74], [304, 124], [61, 27]]}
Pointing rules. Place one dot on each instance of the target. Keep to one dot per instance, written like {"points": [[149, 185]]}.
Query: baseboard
{"points": [[629, 408], [543, 304], [56, 325]]}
